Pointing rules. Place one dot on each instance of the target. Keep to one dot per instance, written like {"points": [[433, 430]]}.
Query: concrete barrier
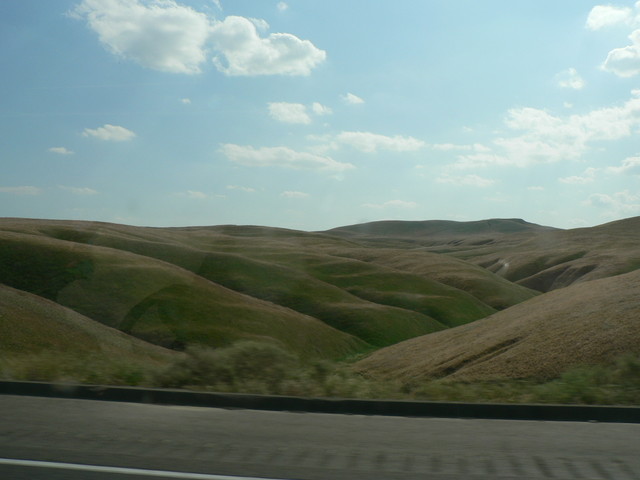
{"points": [[579, 413]]}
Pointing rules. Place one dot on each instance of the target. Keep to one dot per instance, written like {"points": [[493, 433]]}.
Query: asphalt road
{"points": [[92, 440]]}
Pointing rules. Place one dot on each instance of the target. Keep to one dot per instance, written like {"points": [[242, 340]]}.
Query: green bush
{"points": [[263, 368], [616, 383], [259, 367]]}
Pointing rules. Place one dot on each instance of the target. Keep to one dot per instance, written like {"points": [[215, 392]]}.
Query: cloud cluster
{"points": [[244, 52], [623, 61], [61, 150], [630, 166], [351, 99], [621, 203], [282, 157], [112, 133], [570, 79], [289, 112], [78, 190], [372, 142], [540, 137], [588, 176], [168, 36]]}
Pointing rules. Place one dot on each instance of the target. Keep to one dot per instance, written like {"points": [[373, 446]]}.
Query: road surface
{"points": [[93, 440]]}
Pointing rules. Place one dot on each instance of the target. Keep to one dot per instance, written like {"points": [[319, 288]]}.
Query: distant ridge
{"points": [[402, 228], [429, 233]]}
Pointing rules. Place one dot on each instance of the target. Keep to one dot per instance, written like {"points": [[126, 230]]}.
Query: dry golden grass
{"points": [[588, 323], [530, 255]]}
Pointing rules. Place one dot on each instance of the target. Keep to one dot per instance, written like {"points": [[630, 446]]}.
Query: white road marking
{"points": [[123, 471]]}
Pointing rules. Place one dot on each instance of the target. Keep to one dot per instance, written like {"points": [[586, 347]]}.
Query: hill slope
{"points": [[32, 324], [435, 232], [587, 323], [157, 301], [377, 304]]}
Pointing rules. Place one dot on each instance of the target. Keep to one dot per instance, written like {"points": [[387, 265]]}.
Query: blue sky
{"points": [[312, 114]]}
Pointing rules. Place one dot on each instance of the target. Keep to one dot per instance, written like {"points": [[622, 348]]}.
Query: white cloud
{"points": [[392, 204], [108, 132], [602, 16], [261, 25], [79, 190], [481, 160], [158, 34], [196, 194], [168, 36], [186, 101], [466, 180], [570, 79], [588, 176], [320, 109], [372, 142], [61, 151], [619, 203], [630, 166], [535, 188], [289, 112], [244, 52], [625, 62], [282, 6], [546, 138], [294, 194], [351, 99], [281, 157], [23, 190], [242, 189]]}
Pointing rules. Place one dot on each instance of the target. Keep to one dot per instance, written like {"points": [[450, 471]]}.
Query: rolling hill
{"points": [[157, 301], [373, 305], [537, 257], [332, 294], [587, 323]]}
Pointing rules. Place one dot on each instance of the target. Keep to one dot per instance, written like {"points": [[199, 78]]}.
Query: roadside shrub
{"points": [[263, 368], [253, 366], [616, 383]]}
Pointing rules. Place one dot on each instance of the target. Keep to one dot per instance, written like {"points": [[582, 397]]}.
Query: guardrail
{"points": [[578, 413]]}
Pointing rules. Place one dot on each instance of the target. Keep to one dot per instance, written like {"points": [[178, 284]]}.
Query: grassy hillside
{"points": [[324, 294], [491, 289], [533, 256], [556, 259], [157, 301], [376, 304], [589, 323], [32, 324], [41, 340]]}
